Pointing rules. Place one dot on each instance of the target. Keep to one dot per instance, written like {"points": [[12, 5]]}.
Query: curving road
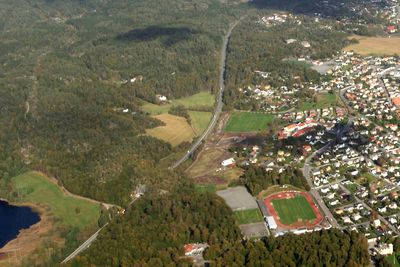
{"points": [[218, 107]]}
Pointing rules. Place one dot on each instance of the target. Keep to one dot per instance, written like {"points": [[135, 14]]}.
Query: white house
{"points": [[228, 162]]}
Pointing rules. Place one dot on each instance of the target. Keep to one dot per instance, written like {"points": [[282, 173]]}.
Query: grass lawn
{"points": [[154, 109], [324, 100], [248, 216], [352, 187], [293, 209], [211, 188], [176, 130], [366, 177], [248, 122], [200, 120], [35, 188], [393, 260], [378, 46], [202, 99]]}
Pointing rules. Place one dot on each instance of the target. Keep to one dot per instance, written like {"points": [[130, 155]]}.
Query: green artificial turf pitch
{"points": [[248, 216]]}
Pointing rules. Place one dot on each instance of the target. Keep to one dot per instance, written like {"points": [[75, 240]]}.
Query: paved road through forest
{"points": [[218, 107]]}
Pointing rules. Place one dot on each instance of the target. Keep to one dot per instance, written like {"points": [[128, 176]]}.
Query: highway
{"points": [[218, 107]]}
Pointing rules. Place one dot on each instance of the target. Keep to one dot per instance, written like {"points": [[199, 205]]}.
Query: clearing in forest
{"points": [[176, 130], [196, 101], [32, 187]]}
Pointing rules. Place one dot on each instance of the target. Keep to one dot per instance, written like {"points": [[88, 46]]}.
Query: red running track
{"points": [[292, 194]]}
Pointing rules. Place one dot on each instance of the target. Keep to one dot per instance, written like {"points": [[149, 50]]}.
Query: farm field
{"points": [[199, 100], [38, 189], [175, 132], [378, 46], [293, 209], [248, 216], [200, 120], [248, 122]]}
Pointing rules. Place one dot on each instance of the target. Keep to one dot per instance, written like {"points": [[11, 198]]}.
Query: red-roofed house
{"points": [[306, 149], [391, 29], [194, 249], [396, 101]]}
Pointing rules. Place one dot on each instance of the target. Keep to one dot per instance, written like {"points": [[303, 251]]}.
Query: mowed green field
{"points": [[248, 216], [293, 210], [248, 122], [200, 120], [37, 189], [199, 100]]}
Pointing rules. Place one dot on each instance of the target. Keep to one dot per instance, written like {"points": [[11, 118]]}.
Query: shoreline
{"points": [[28, 239]]}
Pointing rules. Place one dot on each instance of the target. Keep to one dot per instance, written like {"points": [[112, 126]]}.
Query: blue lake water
{"points": [[13, 219]]}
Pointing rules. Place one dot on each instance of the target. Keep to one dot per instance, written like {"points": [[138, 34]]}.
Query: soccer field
{"points": [[248, 122], [248, 216], [293, 210]]}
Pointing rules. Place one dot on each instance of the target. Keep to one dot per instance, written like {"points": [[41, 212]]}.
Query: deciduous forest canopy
{"points": [[73, 77]]}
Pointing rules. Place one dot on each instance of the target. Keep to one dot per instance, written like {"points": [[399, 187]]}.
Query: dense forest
{"points": [[323, 248], [73, 75], [71, 69], [256, 178], [154, 231]]}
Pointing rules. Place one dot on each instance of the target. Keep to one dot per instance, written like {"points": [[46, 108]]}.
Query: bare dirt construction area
{"points": [[207, 161], [209, 179], [378, 46], [30, 239], [215, 150], [253, 229]]}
